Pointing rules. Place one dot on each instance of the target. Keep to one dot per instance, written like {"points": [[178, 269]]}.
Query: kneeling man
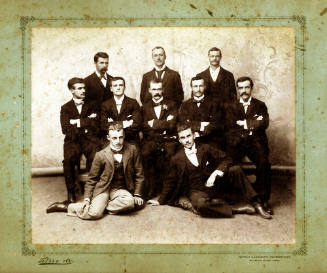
{"points": [[192, 175], [115, 180]]}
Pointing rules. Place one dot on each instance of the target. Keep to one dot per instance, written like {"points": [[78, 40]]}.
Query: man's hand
{"points": [[138, 200], [212, 178], [203, 125], [93, 115], [170, 117], [153, 202], [85, 204], [150, 122], [240, 122], [184, 202], [260, 118], [110, 120], [127, 123]]}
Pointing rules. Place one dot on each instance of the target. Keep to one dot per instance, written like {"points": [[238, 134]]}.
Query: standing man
{"points": [[171, 80], [220, 82], [160, 141], [195, 170], [115, 180], [98, 83], [247, 121], [123, 109], [79, 123], [202, 114]]}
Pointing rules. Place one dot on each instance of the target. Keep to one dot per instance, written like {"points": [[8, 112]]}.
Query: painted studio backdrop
{"points": [[266, 54]]}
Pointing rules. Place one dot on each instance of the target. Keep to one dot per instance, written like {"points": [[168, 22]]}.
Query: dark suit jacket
{"points": [[161, 127], [209, 159], [223, 90], [172, 86], [235, 111], [102, 171], [95, 91], [130, 110], [207, 112], [89, 126]]}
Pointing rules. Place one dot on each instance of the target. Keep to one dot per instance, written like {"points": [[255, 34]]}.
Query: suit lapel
{"points": [[109, 156], [85, 107], [123, 106], [98, 81], [113, 106], [126, 157], [166, 76], [199, 154], [220, 75], [73, 108], [251, 108]]}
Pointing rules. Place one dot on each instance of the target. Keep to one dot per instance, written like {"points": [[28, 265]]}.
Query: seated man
{"points": [[202, 114], [160, 141], [115, 180], [192, 175], [79, 123], [122, 108], [246, 124]]}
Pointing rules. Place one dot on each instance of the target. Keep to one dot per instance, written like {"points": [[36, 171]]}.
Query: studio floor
{"points": [[162, 224]]}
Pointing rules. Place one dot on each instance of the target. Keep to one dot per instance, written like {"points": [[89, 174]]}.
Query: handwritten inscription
{"points": [[52, 261]]}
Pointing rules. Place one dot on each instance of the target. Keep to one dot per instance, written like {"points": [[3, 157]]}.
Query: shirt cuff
{"points": [[245, 125], [78, 123], [87, 199], [219, 173]]}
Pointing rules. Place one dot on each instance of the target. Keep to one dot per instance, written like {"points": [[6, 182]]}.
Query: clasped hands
{"points": [[150, 122]]}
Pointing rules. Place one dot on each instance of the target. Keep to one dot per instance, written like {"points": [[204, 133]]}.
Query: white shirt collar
{"points": [[159, 100], [120, 100], [248, 102], [214, 70], [198, 98], [100, 76], [159, 69], [78, 101], [191, 149]]}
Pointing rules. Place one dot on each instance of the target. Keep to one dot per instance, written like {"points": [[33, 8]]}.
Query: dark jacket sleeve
{"points": [[138, 173], [91, 123], [67, 128], [144, 89], [256, 124], [222, 159], [179, 90], [165, 124], [137, 118]]}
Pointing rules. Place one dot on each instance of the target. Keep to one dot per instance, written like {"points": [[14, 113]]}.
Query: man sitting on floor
{"points": [[193, 176], [115, 180]]}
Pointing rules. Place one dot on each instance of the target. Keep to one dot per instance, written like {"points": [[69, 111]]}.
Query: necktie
{"points": [[198, 101], [159, 74]]}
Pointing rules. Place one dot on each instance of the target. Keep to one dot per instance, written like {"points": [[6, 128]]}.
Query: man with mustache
{"points": [[98, 83], [115, 181], [220, 82], [171, 80], [246, 124], [80, 124], [159, 137], [198, 172]]}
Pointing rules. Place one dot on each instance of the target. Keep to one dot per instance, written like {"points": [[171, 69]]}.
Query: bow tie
{"points": [[198, 101], [154, 104], [245, 104], [78, 102], [190, 151]]}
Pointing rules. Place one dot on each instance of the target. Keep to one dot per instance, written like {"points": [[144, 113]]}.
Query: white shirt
{"points": [[78, 105], [119, 102], [118, 157], [246, 105], [214, 73], [157, 109], [103, 79], [191, 155], [159, 69]]}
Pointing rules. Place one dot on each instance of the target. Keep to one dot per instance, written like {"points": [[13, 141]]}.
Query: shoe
{"points": [[58, 207], [259, 209], [268, 208], [243, 209], [71, 197]]}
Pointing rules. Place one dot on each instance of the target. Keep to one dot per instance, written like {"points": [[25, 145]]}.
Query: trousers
{"points": [[115, 201]]}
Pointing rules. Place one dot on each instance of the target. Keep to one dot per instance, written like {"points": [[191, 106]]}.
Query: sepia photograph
{"points": [[163, 135]]}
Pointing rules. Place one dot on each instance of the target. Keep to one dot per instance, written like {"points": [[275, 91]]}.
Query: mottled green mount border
{"points": [[299, 22]]}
